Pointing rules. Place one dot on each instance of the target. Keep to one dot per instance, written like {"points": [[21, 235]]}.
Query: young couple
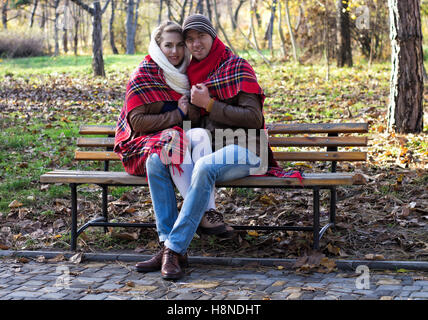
{"points": [[215, 89]]}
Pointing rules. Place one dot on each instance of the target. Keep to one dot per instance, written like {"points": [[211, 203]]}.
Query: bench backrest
{"points": [[328, 136]]}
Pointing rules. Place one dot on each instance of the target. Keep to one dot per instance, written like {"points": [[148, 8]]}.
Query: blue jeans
{"points": [[175, 229]]}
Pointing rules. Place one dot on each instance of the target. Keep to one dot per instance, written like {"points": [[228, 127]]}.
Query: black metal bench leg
{"points": [[333, 200], [104, 205], [316, 230], [73, 187]]}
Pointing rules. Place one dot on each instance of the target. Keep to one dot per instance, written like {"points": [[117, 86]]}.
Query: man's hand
{"points": [[200, 96], [183, 104]]}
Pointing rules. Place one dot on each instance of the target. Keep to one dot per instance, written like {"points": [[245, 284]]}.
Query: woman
{"points": [[150, 124]]}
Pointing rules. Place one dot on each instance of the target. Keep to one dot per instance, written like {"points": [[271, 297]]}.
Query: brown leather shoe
{"points": [[171, 269], [155, 263], [212, 223]]}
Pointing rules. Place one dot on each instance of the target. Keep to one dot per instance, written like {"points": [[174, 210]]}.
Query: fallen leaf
{"points": [[372, 256], [15, 204], [253, 233], [57, 258], [23, 260], [77, 258], [201, 285]]}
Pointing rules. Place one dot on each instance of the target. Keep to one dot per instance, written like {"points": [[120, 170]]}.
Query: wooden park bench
{"points": [[329, 138]]}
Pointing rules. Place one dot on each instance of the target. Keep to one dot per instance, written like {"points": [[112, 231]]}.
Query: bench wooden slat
{"points": [[281, 156], [320, 156], [274, 142], [318, 141], [96, 155], [317, 128], [277, 128], [123, 178], [97, 129], [95, 142]]}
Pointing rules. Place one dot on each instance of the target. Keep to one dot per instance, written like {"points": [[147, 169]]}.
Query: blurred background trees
{"points": [[281, 29], [339, 32]]}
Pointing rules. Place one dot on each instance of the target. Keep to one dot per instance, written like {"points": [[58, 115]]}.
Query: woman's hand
{"points": [[200, 96], [183, 104]]}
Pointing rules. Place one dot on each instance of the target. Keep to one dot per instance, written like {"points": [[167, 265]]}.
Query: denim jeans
{"points": [[175, 229]]}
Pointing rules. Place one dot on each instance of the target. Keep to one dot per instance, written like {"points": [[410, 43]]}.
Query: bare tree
{"points": [[4, 10], [281, 34], [56, 36], [253, 10], [217, 19], [97, 42], [405, 110], [110, 27], [290, 30], [269, 30], [33, 12], [344, 51], [252, 45], [131, 25]]}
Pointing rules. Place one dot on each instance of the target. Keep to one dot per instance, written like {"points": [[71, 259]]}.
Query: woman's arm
{"points": [[144, 122]]}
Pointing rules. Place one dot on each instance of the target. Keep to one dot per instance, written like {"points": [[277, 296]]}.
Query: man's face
{"points": [[199, 43]]}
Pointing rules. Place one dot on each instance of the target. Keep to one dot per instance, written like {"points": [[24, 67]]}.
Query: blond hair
{"points": [[167, 26]]}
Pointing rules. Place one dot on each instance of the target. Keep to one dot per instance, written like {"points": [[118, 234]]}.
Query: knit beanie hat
{"points": [[200, 23]]}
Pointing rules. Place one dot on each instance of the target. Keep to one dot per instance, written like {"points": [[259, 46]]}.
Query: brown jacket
{"points": [[244, 112], [147, 119]]}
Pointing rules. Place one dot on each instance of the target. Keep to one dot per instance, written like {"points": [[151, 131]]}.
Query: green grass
{"points": [[73, 65]]}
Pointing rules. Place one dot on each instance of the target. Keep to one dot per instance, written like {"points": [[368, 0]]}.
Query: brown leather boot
{"points": [[171, 269], [155, 263]]}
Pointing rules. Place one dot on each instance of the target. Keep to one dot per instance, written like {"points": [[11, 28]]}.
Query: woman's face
{"points": [[199, 43], [172, 46]]}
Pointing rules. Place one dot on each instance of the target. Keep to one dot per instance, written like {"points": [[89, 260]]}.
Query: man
{"points": [[227, 101]]}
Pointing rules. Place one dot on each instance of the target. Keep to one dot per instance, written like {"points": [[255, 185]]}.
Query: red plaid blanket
{"points": [[147, 85]]}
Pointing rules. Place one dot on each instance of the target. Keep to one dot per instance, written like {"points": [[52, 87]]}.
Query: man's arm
{"points": [[246, 114]]}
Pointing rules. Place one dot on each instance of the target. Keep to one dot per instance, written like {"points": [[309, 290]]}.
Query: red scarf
{"points": [[198, 71]]}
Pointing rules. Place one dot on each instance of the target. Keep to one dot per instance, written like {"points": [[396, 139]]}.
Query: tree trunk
{"points": [[183, 12], [4, 14], [160, 12], [290, 30], [209, 11], [281, 34], [221, 28], [110, 28], [130, 45], [76, 16], [33, 12], [56, 50], [344, 51], [43, 17], [269, 30], [405, 110], [97, 41], [252, 28], [66, 25]]}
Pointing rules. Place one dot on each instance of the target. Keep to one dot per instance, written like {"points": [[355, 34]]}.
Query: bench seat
{"points": [[112, 178]]}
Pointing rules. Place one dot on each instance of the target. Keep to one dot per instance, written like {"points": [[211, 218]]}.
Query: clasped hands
{"points": [[199, 96]]}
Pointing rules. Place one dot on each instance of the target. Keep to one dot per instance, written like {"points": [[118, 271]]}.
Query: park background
{"points": [[317, 60]]}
